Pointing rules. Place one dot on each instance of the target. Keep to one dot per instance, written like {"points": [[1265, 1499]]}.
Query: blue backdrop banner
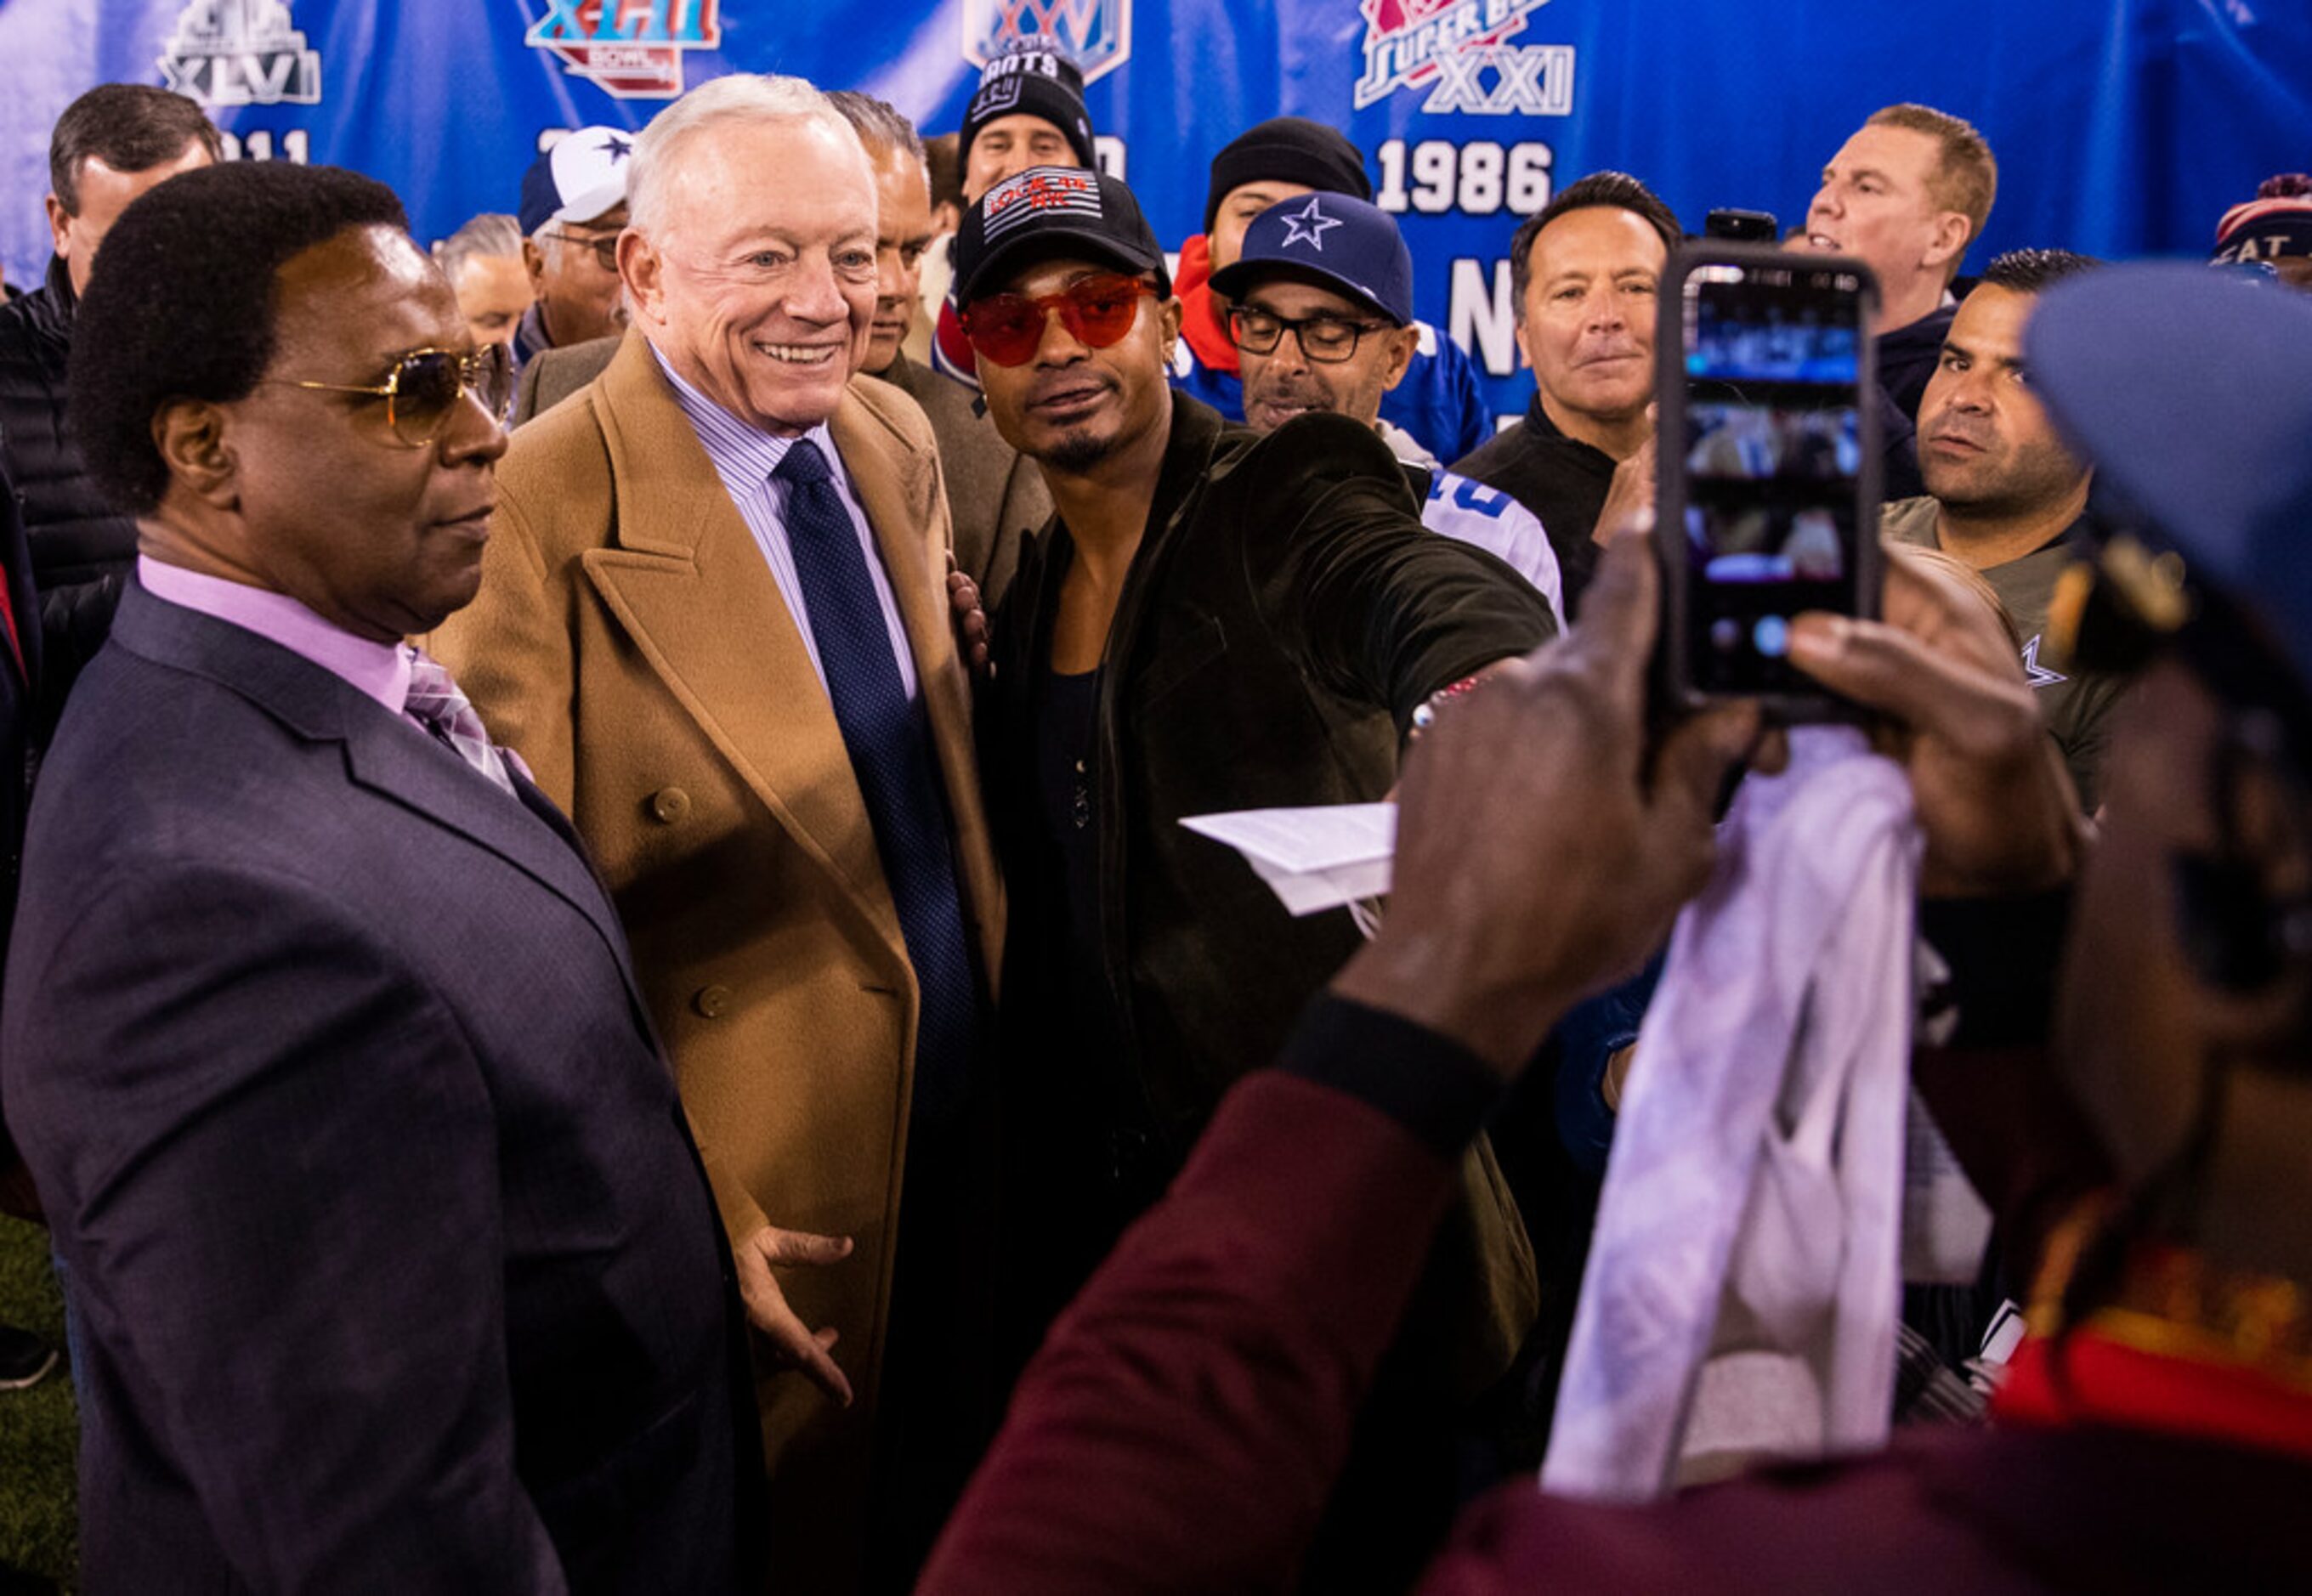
{"points": [[2121, 126]]}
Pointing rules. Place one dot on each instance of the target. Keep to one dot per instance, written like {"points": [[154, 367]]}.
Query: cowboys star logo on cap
{"points": [[1308, 226]]}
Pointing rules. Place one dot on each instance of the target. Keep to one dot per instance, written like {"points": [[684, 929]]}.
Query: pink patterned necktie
{"points": [[435, 704]]}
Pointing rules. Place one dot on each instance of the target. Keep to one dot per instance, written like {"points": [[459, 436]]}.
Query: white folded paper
{"points": [[1311, 858]]}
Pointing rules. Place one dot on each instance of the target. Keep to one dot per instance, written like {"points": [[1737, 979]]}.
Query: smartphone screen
{"points": [[1769, 461]]}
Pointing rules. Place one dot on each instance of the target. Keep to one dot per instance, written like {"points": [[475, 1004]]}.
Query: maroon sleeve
{"points": [[1182, 1427]]}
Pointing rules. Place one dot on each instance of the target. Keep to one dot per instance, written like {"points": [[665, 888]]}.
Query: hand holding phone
{"points": [[1768, 454]]}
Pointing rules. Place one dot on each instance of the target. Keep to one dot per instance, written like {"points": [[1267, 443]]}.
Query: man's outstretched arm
{"points": [[1182, 1427]]}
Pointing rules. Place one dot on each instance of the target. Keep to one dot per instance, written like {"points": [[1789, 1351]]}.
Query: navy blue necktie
{"points": [[888, 738]]}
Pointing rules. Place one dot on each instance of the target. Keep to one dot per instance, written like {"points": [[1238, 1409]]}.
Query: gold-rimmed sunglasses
{"points": [[424, 386]]}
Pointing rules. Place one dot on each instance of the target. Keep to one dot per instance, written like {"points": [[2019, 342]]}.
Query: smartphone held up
{"points": [[1767, 498]]}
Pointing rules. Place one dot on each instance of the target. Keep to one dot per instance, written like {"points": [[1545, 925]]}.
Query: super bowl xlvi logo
{"points": [[1455, 48], [1096, 35], [630, 48], [240, 52]]}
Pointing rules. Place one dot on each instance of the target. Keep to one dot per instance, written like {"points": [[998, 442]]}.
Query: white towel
{"points": [[1742, 1289]]}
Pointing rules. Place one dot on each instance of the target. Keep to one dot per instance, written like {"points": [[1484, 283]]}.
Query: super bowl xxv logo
{"points": [[1457, 47], [632, 48], [1096, 35]]}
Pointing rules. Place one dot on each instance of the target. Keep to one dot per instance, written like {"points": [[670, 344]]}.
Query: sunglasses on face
{"points": [[604, 247], [424, 386], [1324, 338], [1008, 329]]}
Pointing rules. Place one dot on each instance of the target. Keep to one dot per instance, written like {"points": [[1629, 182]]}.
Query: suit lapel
{"points": [[384, 754], [689, 585], [399, 761]]}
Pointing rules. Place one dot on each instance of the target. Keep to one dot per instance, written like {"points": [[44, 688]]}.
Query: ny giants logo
{"points": [[1448, 44], [1094, 34], [629, 49]]}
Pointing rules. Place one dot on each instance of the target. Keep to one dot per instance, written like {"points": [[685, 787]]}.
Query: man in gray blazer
{"points": [[995, 498], [398, 1268]]}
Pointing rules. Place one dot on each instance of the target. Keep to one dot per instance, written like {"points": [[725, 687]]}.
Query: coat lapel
{"points": [[686, 580]]}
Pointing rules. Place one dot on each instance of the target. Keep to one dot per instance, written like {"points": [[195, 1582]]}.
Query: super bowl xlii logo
{"points": [[1454, 48], [1095, 35], [632, 48]]}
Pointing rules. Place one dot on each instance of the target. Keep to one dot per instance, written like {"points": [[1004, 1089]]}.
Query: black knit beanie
{"points": [[1030, 79], [1288, 150]]}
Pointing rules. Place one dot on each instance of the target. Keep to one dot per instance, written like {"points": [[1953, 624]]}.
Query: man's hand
{"points": [[968, 617], [794, 1343], [1542, 849], [1630, 496], [1998, 810]]}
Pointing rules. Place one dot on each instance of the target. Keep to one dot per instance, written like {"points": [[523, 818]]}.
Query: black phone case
{"points": [[1673, 692]]}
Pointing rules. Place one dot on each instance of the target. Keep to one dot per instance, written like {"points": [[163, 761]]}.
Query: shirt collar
{"points": [[744, 455], [379, 670]]}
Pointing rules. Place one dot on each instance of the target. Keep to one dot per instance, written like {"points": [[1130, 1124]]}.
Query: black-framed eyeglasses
{"points": [[1327, 338], [605, 247], [424, 386]]}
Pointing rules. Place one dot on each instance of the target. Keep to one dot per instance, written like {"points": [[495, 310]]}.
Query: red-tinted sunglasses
{"points": [[1008, 329]]}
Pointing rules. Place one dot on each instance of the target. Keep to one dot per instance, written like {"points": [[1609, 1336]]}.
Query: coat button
{"points": [[711, 1001], [670, 803]]}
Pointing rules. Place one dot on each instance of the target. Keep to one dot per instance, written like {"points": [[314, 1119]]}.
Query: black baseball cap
{"points": [[1048, 211]]}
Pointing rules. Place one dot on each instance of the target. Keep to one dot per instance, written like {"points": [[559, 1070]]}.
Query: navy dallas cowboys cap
{"points": [[1336, 240], [1051, 211]]}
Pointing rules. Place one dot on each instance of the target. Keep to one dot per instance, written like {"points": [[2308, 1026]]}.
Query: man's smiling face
{"points": [[760, 285]]}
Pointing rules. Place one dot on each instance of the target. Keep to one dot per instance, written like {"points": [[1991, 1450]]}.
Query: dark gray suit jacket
{"points": [[397, 1270], [995, 498]]}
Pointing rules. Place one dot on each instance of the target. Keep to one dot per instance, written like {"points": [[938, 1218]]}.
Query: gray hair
{"points": [[486, 235], [740, 97], [877, 123]]}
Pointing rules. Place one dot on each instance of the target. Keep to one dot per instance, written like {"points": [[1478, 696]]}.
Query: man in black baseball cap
{"points": [[1437, 402], [2140, 1112], [1214, 620]]}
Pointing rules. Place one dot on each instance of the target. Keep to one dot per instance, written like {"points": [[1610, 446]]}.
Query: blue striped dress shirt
{"points": [[744, 457]]}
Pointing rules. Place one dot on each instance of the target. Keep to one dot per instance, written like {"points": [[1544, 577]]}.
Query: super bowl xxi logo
{"points": [[1096, 35], [631, 48], [1455, 48]]}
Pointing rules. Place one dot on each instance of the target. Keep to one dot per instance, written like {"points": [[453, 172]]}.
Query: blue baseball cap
{"points": [[2190, 392], [1334, 239]]}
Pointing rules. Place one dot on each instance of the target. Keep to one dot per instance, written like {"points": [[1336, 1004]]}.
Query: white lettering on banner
{"points": [[240, 52], [1536, 81], [257, 145], [1108, 154], [1482, 315], [1477, 179]]}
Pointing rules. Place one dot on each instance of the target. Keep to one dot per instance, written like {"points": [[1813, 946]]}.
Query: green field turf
{"points": [[37, 1523]]}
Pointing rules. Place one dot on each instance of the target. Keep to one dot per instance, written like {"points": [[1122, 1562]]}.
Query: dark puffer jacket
{"points": [[82, 547]]}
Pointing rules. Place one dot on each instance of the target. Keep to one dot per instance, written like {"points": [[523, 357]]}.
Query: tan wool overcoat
{"points": [[630, 642]]}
